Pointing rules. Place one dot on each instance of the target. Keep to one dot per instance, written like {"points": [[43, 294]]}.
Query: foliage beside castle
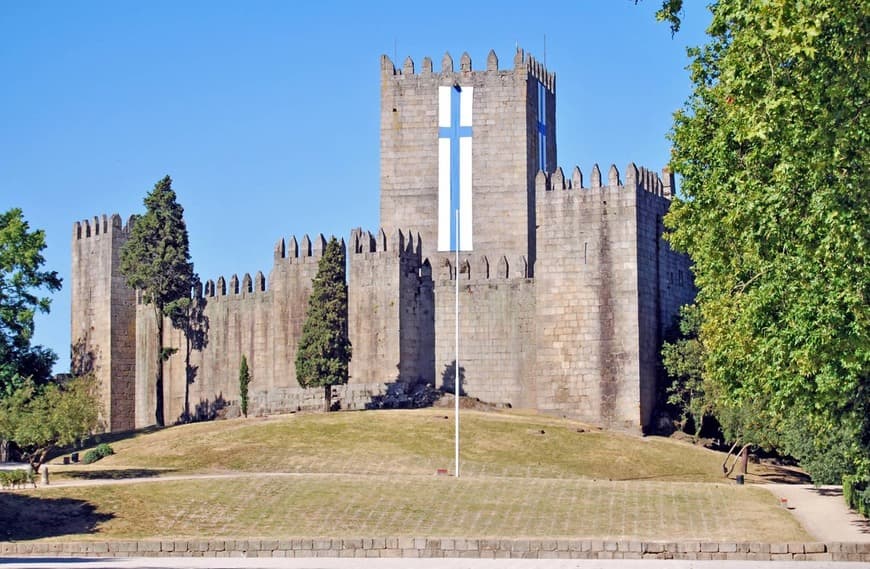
{"points": [[566, 285]]}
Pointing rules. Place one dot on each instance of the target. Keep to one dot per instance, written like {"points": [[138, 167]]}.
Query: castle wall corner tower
{"points": [[103, 323]]}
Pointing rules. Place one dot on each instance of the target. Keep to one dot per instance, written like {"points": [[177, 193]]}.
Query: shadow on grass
{"points": [[25, 517], [781, 475], [116, 474]]}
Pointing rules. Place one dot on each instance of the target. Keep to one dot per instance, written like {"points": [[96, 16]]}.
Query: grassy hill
{"points": [[374, 474], [414, 442]]}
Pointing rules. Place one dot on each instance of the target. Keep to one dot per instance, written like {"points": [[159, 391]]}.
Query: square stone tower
{"points": [[103, 324], [474, 138]]}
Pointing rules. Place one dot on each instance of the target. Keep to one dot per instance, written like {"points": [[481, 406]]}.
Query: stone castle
{"points": [[565, 286]]}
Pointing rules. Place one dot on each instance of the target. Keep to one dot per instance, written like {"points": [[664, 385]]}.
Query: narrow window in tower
{"points": [[585, 248]]}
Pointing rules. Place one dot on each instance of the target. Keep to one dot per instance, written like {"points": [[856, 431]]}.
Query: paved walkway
{"points": [[823, 512], [330, 563]]}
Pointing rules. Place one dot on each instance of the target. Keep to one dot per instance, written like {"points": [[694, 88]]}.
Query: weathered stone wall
{"points": [[445, 547], [496, 328], [390, 309], [240, 317], [103, 316], [586, 306], [664, 280], [504, 150]]}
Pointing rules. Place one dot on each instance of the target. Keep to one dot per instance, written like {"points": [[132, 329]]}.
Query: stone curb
{"points": [[488, 548]]}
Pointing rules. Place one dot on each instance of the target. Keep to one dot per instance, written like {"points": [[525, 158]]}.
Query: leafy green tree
{"points": [[772, 146], [324, 349], [684, 361], [244, 381], [670, 12], [21, 278], [156, 261], [40, 418]]}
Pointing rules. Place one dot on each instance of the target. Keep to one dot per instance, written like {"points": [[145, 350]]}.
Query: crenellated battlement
{"points": [[523, 62], [475, 269], [100, 225], [246, 287], [635, 178], [403, 243], [304, 251]]}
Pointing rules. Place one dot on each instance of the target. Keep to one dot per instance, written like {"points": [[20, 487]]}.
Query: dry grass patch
{"points": [[410, 442], [349, 506]]}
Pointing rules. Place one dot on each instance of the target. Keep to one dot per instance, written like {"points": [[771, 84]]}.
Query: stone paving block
{"points": [[519, 545]]}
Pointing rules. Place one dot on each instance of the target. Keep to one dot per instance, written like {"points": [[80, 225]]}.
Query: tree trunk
{"points": [[327, 398], [187, 372], [158, 383], [4, 450]]}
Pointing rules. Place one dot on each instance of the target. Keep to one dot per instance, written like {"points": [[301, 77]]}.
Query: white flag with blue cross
{"points": [[454, 167], [542, 127]]}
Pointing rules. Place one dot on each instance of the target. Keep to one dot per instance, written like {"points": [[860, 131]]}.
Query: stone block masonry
{"points": [[429, 547], [564, 300], [103, 320]]}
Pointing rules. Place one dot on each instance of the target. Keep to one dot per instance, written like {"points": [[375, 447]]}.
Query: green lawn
{"points": [[369, 474], [412, 442]]}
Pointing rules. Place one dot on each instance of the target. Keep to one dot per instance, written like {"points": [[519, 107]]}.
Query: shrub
{"points": [[15, 478], [856, 491], [98, 452]]}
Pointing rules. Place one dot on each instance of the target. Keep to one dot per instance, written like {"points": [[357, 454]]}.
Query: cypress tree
{"points": [[156, 261], [324, 349], [244, 380]]}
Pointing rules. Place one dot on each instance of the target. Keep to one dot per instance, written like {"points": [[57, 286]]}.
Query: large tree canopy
{"points": [[324, 349], [41, 419], [156, 261], [21, 279], [774, 211]]}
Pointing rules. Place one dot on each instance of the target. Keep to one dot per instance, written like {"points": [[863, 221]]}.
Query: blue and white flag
{"points": [[542, 127], [454, 167]]}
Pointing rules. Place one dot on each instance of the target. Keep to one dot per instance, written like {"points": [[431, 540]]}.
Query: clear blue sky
{"points": [[265, 113]]}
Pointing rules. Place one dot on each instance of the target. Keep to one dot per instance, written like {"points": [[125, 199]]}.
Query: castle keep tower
{"points": [[478, 137], [104, 316]]}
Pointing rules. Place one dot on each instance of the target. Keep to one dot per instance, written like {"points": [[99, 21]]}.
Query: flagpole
{"points": [[456, 367]]}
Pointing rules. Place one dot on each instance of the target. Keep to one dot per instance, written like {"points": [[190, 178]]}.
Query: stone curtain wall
{"points": [[586, 287], [497, 328], [427, 547], [504, 149], [664, 279], [103, 313], [243, 317], [390, 309]]}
